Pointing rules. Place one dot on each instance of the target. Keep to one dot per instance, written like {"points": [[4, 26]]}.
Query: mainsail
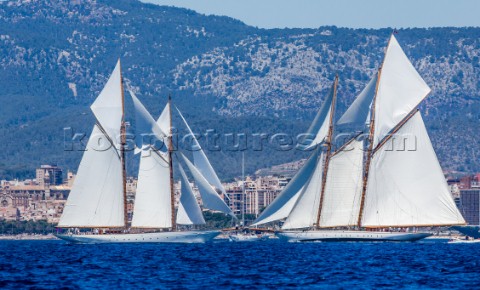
{"points": [[406, 186], [189, 212], [152, 207], [97, 195], [96, 198], [343, 186], [201, 161]]}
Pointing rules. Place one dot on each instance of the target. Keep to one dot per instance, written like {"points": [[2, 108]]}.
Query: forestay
{"points": [[400, 90], [343, 187], [189, 212], [281, 207], [406, 185], [96, 198], [304, 213], [210, 197]]}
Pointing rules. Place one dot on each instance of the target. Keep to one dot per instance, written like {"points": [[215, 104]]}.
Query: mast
{"points": [[170, 164], [370, 139], [329, 149], [369, 152], [243, 188], [123, 141]]}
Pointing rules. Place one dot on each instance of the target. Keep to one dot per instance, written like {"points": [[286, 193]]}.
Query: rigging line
{"points": [[339, 150], [108, 138], [396, 129]]}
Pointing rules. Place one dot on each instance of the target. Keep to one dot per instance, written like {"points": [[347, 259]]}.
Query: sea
{"points": [[270, 264]]}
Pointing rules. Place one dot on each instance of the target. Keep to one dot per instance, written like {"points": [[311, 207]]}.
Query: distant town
{"points": [[43, 198]]}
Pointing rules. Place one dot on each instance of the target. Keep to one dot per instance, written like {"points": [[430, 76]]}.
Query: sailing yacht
{"points": [[97, 200], [242, 233], [376, 188]]}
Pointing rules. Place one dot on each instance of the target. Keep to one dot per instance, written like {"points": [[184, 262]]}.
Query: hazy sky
{"points": [[342, 13]]}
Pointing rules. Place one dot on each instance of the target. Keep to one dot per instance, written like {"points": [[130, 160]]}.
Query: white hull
{"points": [[160, 237], [345, 236], [246, 238], [463, 241]]}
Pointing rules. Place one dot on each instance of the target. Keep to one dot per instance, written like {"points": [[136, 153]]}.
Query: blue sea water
{"points": [[270, 264]]}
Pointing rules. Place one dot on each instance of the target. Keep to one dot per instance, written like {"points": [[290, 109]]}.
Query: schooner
{"points": [[97, 200], [373, 188]]}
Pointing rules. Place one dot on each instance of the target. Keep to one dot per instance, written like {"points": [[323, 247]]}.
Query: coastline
{"points": [[28, 237]]}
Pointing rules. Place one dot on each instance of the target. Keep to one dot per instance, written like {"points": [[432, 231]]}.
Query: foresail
{"points": [[358, 114], [320, 125], [400, 90], [201, 161], [281, 207], [210, 197], [305, 212], [189, 212], [152, 208], [148, 133], [108, 107], [343, 187], [406, 186], [96, 198]]}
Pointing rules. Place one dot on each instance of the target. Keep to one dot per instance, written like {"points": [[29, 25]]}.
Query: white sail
{"points": [[320, 125], [152, 207], [343, 187], [281, 207], [108, 107], [305, 212], [406, 186], [201, 161], [358, 114], [163, 121], [189, 212], [210, 197], [96, 198], [400, 90], [148, 132]]}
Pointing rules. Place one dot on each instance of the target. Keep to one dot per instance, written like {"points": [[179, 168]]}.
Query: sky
{"points": [[341, 13]]}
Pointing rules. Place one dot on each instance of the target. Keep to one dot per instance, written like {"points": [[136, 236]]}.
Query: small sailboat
{"points": [[97, 201], [242, 233], [374, 188], [465, 240]]}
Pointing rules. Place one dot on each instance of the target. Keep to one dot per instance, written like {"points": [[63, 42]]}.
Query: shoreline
{"points": [[27, 237]]}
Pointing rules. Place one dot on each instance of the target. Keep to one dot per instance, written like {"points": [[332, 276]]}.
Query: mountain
{"points": [[223, 74]]}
